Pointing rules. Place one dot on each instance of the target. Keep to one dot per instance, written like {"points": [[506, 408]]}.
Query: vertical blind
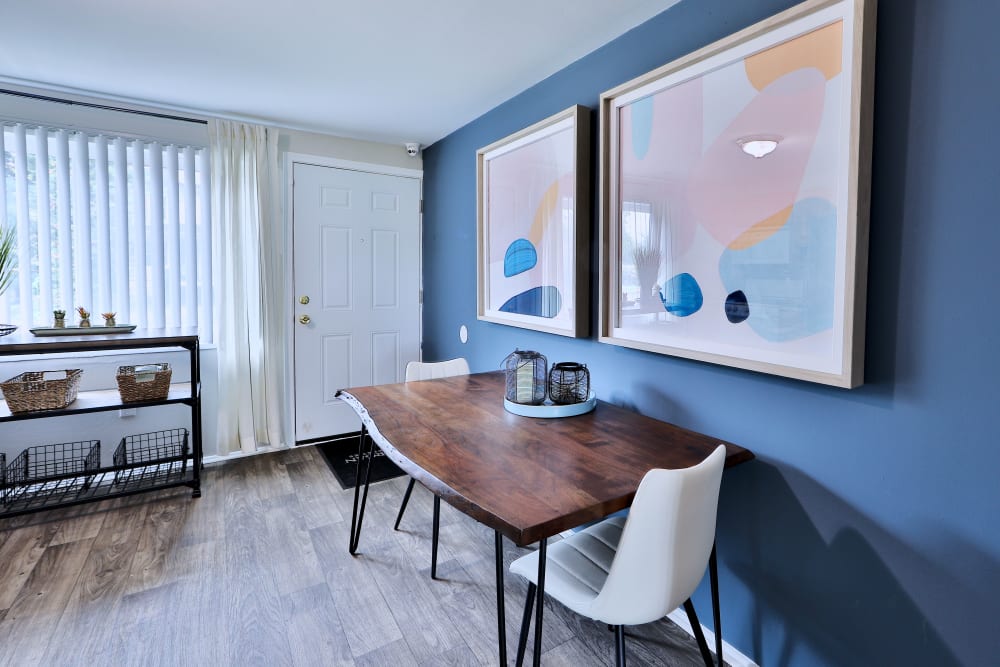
{"points": [[112, 224]]}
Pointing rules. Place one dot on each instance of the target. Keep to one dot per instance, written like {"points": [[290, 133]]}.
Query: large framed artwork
{"points": [[734, 198], [533, 226]]}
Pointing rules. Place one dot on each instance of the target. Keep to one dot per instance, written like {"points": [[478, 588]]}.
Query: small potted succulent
{"points": [[109, 319], [84, 316], [60, 318]]}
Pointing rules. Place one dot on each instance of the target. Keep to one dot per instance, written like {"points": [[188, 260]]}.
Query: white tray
{"points": [[82, 331], [548, 410]]}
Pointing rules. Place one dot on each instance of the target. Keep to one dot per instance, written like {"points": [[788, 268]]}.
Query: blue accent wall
{"points": [[868, 530]]}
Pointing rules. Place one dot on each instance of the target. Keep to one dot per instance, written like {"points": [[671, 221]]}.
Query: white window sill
{"points": [[94, 354]]}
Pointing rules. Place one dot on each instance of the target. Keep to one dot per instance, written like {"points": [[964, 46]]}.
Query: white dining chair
{"points": [[636, 569], [419, 370]]}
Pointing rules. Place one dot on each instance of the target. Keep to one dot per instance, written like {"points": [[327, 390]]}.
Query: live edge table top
{"points": [[529, 478]]}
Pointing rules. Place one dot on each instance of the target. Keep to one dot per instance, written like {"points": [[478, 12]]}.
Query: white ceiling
{"points": [[382, 70]]}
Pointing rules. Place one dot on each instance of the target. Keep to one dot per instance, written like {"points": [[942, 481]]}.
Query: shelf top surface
{"points": [[24, 342], [101, 400]]}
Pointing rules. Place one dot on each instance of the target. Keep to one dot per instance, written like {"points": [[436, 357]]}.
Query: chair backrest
{"points": [[665, 543], [420, 370]]}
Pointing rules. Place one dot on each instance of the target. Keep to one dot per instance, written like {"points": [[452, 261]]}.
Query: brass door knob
{"points": [[303, 300], [305, 319]]}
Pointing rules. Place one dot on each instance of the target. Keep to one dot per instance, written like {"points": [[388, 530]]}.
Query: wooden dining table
{"points": [[527, 478]]}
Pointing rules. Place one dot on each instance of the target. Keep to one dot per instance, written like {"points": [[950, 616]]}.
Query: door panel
{"points": [[337, 272], [357, 259], [385, 357]]}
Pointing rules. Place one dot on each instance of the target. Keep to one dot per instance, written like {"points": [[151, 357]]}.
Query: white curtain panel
{"points": [[249, 285]]}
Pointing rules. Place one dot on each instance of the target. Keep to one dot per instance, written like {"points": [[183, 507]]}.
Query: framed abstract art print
{"points": [[734, 198], [533, 226]]}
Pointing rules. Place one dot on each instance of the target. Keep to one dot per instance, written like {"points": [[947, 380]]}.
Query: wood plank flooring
{"points": [[256, 572]]}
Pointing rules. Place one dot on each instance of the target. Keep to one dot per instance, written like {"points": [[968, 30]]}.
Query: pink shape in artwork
{"points": [[661, 176], [731, 191]]}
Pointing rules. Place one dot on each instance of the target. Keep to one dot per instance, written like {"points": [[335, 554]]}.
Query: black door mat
{"points": [[342, 457]]}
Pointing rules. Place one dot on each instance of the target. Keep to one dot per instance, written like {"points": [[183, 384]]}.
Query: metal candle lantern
{"points": [[526, 372], [569, 383]]}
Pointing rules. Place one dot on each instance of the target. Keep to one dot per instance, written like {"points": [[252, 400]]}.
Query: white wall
{"points": [[309, 143]]}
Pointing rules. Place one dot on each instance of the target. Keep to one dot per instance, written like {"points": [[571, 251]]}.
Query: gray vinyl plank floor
{"points": [[257, 572]]}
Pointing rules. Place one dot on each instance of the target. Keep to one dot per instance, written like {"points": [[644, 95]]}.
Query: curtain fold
{"points": [[249, 285]]}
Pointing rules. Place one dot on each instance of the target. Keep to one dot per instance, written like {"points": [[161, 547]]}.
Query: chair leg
{"points": [[713, 576], [406, 499], [522, 640], [434, 537], [620, 645], [706, 655]]}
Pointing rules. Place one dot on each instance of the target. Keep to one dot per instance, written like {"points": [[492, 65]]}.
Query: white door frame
{"points": [[288, 311]]}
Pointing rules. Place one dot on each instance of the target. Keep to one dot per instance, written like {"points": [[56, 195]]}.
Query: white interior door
{"points": [[356, 241]]}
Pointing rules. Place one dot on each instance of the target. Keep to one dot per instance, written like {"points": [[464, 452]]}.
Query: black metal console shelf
{"points": [[106, 482]]}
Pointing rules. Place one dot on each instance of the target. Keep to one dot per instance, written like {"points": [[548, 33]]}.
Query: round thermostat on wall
{"points": [[463, 334]]}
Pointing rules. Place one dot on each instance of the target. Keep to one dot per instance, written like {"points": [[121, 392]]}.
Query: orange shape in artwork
{"points": [[548, 209], [820, 48], [761, 231]]}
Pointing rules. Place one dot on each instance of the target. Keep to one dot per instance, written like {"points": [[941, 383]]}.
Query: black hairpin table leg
{"points": [[501, 612], [536, 659], [358, 513]]}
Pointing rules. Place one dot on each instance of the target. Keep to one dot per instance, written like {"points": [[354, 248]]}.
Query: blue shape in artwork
{"points": [[542, 301], [520, 257], [737, 308], [788, 278], [681, 296], [642, 126]]}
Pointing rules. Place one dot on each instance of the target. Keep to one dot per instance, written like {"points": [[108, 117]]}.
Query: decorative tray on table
{"points": [[549, 410], [82, 331]]}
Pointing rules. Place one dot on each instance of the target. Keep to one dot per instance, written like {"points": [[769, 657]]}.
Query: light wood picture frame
{"points": [[734, 195], [533, 228]]}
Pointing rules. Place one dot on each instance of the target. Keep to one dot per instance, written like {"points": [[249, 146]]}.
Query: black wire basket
{"points": [[47, 470], [569, 383], [148, 457]]}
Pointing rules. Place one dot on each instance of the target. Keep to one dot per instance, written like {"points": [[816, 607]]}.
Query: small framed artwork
{"points": [[734, 198], [533, 226]]}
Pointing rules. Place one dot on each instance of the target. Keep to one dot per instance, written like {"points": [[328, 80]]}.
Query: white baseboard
{"points": [[730, 655], [238, 454]]}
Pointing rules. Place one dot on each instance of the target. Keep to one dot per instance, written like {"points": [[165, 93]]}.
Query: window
{"points": [[113, 224]]}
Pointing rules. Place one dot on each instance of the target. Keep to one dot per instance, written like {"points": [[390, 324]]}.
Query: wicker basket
{"points": [[150, 382], [48, 390]]}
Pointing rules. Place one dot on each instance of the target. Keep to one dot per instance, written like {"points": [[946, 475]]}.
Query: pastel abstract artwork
{"points": [[529, 227], [732, 186]]}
